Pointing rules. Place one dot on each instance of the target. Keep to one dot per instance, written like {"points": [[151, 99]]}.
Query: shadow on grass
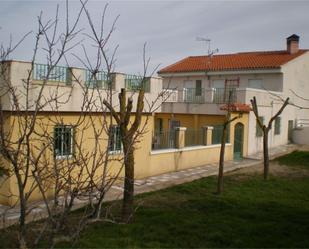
{"points": [[296, 158], [251, 213]]}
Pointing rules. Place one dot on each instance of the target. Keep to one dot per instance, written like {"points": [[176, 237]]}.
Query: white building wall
{"points": [[72, 95], [293, 75], [296, 78]]}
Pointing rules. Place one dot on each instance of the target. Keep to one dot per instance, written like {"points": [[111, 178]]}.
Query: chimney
{"points": [[292, 43]]}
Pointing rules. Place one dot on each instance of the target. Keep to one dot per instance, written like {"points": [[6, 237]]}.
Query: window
{"points": [[159, 125], [258, 130], [63, 141], [115, 140], [255, 83], [198, 88], [277, 125]]}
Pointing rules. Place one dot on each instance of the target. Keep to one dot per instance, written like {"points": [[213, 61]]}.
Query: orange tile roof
{"points": [[237, 107], [238, 61]]}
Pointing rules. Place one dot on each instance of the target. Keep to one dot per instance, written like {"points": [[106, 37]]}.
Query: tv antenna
{"points": [[207, 42]]}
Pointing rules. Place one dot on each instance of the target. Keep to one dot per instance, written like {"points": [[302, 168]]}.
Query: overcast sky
{"points": [[170, 28]]}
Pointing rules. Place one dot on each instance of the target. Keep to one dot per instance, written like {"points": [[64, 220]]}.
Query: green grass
{"points": [[251, 213], [296, 158]]}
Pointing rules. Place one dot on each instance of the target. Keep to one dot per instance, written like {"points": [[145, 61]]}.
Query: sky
{"points": [[170, 28]]}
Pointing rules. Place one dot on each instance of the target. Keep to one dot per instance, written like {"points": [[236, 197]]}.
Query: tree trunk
{"points": [[221, 162], [128, 194], [265, 152], [22, 223]]}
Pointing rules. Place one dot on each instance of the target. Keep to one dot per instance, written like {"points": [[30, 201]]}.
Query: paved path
{"points": [[152, 183]]}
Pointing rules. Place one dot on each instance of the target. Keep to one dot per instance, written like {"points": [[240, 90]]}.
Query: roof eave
{"points": [[222, 72]]}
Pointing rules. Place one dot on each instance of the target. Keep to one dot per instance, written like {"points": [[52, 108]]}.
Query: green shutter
{"points": [[277, 125], [259, 131]]}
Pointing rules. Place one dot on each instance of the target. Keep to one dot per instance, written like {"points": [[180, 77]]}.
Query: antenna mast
{"points": [[207, 42]]}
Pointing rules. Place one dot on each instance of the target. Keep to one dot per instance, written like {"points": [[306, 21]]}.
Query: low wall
{"points": [[169, 160], [301, 135]]}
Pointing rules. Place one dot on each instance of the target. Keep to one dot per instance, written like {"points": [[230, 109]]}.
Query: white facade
{"points": [[70, 94], [270, 87]]}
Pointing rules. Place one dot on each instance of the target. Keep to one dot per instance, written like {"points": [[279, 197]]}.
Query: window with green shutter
{"points": [[277, 125], [258, 130]]}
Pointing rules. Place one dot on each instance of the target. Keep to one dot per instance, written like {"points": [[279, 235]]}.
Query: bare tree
{"points": [[85, 176], [265, 129], [226, 124]]}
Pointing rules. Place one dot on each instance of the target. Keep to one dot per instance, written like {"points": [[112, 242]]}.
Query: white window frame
{"points": [[276, 120], [114, 150], [70, 155]]}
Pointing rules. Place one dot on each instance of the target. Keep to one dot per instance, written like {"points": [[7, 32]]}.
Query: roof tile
{"points": [[238, 61]]}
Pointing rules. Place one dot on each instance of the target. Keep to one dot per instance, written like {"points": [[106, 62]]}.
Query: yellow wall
{"points": [[185, 159], [147, 163]]}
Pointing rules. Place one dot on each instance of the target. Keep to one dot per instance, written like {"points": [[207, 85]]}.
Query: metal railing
{"points": [[135, 83], [217, 134], [163, 140], [201, 95], [57, 73], [194, 95], [98, 80], [221, 95], [170, 95], [194, 137]]}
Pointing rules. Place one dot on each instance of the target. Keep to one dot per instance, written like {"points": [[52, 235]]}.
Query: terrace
{"points": [[100, 80], [218, 95]]}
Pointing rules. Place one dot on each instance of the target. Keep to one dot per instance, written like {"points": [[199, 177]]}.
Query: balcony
{"points": [[218, 95], [201, 95], [209, 100], [57, 73], [135, 83]]}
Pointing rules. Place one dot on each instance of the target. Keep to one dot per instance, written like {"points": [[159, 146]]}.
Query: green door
{"points": [[238, 141]]}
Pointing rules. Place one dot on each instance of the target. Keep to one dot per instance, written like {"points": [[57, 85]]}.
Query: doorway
{"points": [[238, 141]]}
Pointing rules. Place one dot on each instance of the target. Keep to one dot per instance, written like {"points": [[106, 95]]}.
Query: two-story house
{"points": [[201, 84]]}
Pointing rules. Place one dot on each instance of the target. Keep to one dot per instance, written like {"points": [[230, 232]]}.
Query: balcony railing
{"points": [[201, 95], [163, 140], [170, 95], [57, 73], [222, 95], [217, 134], [194, 137], [98, 80], [135, 83], [194, 95]]}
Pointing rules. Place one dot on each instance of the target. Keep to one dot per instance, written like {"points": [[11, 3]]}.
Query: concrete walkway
{"points": [[10, 216]]}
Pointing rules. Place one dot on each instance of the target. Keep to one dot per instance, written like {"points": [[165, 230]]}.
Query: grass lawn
{"points": [[296, 158], [251, 213]]}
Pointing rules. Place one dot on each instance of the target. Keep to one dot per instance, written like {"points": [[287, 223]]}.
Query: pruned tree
{"points": [[29, 150], [123, 112], [226, 124], [265, 130]]}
